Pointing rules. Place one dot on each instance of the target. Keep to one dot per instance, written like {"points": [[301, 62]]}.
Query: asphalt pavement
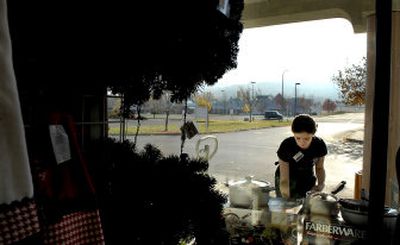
{"points": [[344, 159]]}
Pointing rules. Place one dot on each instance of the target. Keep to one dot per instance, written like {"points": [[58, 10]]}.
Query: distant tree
{"points": [[167, 106], [316, 106], [204, 100], [279, 100], [305, 104], [249, 100], [329, 105], [263, 102], [115, 112], [352, 83], [154, 106], [246, 108]]}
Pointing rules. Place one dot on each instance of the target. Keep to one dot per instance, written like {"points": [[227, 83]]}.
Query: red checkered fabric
{"points": [[75, 229], [18, 221]]}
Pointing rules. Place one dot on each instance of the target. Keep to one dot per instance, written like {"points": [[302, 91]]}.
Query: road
{"points": [[254, 152]]}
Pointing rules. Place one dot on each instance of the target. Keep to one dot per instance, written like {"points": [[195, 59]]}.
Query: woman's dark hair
{"points": [[304, 123]]}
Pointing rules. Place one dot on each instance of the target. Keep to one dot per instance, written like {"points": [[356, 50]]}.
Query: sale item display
{"points": [[255, 216]]}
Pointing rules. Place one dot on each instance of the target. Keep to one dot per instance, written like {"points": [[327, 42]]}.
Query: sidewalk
{"points": [[344, 159]]}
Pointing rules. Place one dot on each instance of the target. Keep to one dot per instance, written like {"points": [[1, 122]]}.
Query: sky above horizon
{"points": [[311, 53]]}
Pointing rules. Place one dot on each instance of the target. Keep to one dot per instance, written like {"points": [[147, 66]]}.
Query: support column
{"points": [[369, 100], [392, 188], [392, 193]]}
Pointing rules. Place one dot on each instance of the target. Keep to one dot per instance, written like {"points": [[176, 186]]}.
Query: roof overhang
{"points": [[258, 13]]}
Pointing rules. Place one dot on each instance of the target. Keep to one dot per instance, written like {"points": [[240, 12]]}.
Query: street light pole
{"points": [[295, 98], [224, 100], [283, 97], [252, 87], [252, 101]]}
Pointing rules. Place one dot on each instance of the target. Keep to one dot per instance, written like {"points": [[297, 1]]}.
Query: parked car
{"points": [[273, 115]]}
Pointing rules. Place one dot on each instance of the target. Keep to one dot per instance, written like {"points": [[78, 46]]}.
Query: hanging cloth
{"points": [[15, 174], [62, 181], [63, 185], [18, 212], [18, 221]]}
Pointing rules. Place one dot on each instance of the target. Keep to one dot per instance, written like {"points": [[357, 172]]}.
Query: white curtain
{"points": [[15, 175]]}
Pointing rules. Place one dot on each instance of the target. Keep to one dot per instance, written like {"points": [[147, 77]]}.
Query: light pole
{"points": [[295, 98], [252, 88], [252, 100], [224, 100], [283, 97]]}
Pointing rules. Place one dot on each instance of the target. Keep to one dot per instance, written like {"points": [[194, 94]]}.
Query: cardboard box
{"points": [[326, 230]]}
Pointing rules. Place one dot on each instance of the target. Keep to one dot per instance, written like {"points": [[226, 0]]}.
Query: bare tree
{"points": [[305, 104], [154, 107], [329, 105], [279, 100], [263, 102], [167, 105], [249, 100]]}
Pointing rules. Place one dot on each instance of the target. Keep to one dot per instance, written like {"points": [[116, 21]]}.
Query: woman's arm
{"points": [[320, 172], [284, 178]]}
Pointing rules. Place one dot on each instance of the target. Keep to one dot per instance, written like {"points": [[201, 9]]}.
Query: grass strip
{"points": [[214, 126]]}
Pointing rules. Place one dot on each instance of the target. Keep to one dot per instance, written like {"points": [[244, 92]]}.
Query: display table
{"points": [[267, 225], [280, 223]]}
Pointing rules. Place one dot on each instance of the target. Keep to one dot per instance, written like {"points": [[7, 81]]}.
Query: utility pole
{"points": [[252, 101], [295, 98], [283, 96], [224, 100]]}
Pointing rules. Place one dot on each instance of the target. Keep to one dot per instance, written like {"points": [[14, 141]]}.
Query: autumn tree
{"points": [[352, 83], [204, 100], [329, 105], [115, 111]]}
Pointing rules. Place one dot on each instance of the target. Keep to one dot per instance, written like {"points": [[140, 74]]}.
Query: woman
{"points": [[298, 156]]}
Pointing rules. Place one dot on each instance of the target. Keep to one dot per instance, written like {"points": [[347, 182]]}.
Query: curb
{"points": [[355, 136], [354, 140]]}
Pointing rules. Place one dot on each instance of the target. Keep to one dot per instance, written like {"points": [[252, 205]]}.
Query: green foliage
{"points": [[352, 83], [272, 235], [147, 198], [86, 44]]}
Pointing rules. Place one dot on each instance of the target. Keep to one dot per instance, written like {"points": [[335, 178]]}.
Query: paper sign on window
{"points": [[60, 143]]}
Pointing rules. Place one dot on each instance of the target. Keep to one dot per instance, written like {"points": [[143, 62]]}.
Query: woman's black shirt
{"points": [[301, 163]]}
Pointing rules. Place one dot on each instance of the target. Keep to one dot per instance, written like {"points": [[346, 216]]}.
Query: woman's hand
{"points": [[320, 172], [284, 178], [318, 187]]}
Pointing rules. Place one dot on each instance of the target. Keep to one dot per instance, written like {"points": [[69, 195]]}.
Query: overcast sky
{"points": [[311, 52]]}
